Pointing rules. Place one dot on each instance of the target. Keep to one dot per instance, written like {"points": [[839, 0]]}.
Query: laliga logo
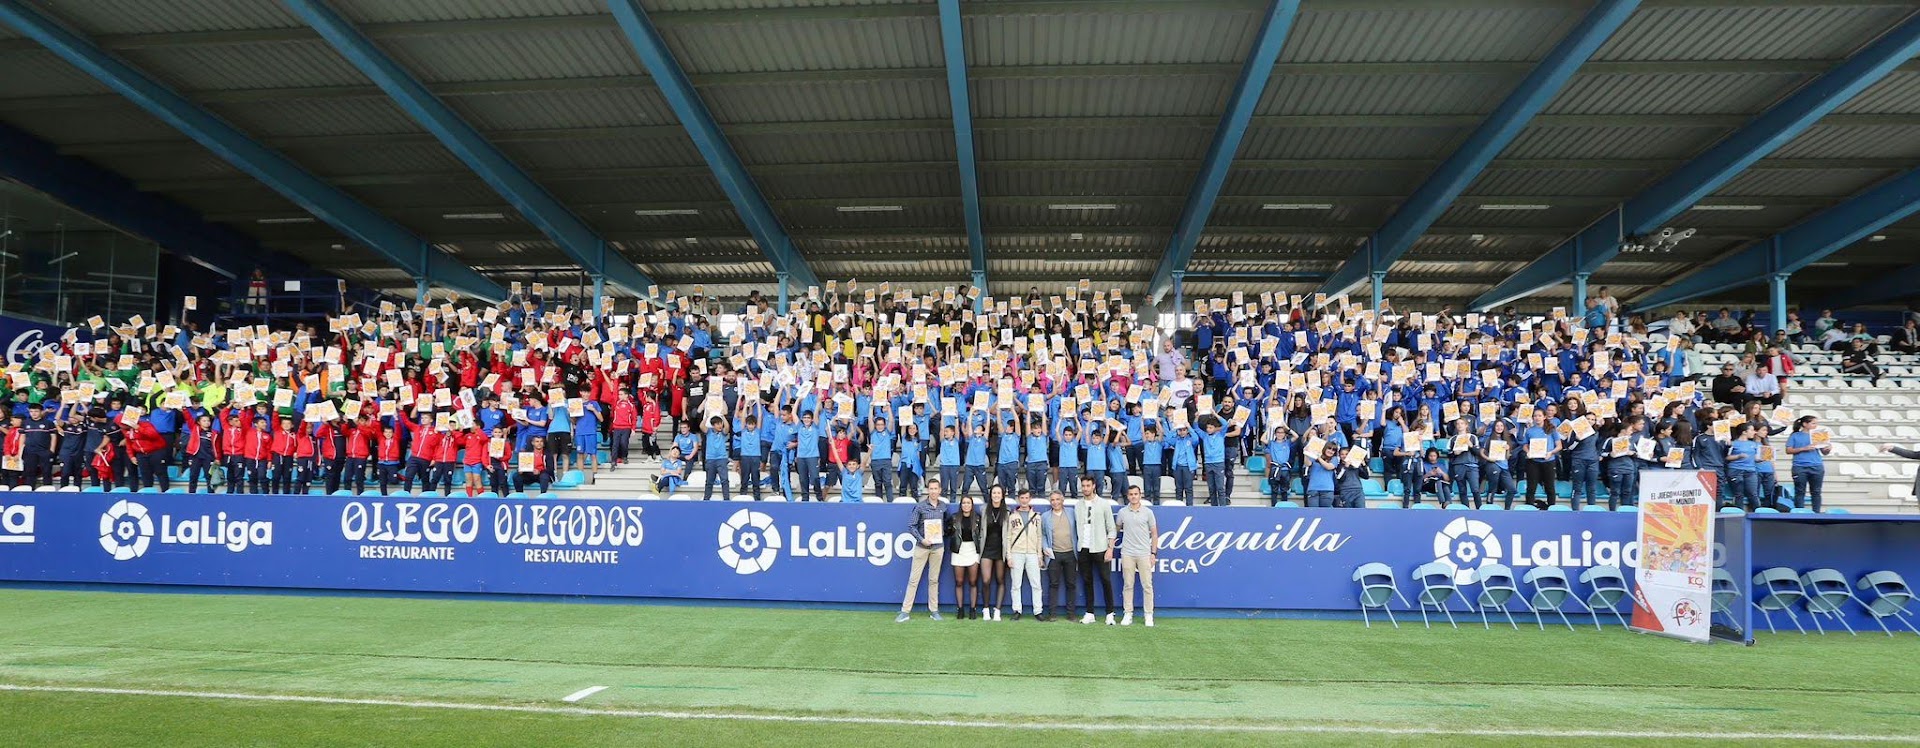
{"points": [[1465, 545], [126, 530], [749, 543]]}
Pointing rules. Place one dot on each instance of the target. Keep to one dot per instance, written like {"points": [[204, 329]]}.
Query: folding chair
{"points": [[1377, 588], [1725, 592], [1436, 588], [1496, 588], [1827, 595], [1778, 588], [1890, 600], [1609, 588], [1550, 591]]}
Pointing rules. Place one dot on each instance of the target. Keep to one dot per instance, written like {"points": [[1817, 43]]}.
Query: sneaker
{"points": [[1149, 620], [996, 614], [1088, 618], [902, 618], [1043, 618], [1126, 620], [1109, 619], [935, 615]]}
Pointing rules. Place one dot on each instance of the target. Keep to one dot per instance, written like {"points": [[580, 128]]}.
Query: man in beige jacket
{"points": [[1024, 544]]}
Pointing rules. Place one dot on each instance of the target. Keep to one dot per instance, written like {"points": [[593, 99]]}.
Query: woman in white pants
{"points": [[1023, 541]]}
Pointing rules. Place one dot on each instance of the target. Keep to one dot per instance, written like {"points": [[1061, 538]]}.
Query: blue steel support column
{"points": [[700, 126], [1777, 283], [1696, 179], [953, 46], [980, 299], [338, 209], [574, 237], [1433, 197], [1579, 294], [1379, 283], [1179, 296], [420, 291], [1805, 243], [1226, 142], [781, 280], [600, 296]]}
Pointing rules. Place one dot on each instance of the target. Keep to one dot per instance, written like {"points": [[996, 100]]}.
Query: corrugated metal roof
{"points": [[1345, 213], [181, 165], [1104, 143], [894, 267], [943, 182], [1876, 141], [521, 55], [1112, 38], [845, 148], [1615, 182], [387, 11], [824, 101], [806, 217], [304, 117], [399, 158], [1649, 142], [1155, 96], [1279, 183], [1756, 32], [1107, 268], [1815, 182], [1440, 34], [110, 124], [173, 16], [1288, 94], [606, 107], [1124, 214], [1898, 93], [242, 66], [671, 5], [610, 153], [1350, 142], [1090, 183], [767, 43], [1473, 217], [1674, 93], [1768, 215], [37, 72], [466, 196], [660, 189], [1120, 242]]}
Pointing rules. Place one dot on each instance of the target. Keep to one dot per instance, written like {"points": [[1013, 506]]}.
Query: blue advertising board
{"points": [[1212, 558], [22, 339]]}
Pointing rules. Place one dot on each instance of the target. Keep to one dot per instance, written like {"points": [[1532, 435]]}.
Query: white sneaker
{"points": [[1126, 620], [1088, 618], [1109, 619], [1149, 620]]}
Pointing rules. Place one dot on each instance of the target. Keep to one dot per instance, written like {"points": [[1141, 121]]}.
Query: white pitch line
{"points": [[1175, 727], [583, 693]]}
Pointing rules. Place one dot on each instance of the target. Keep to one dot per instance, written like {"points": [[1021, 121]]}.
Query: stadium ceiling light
{"points": [[1828, 265], [301, 219], [1083, 206], [63, 258], [1729, 207], [473, 216], [668, 212], [1515, 206], [869, 208], [1076, 236], [1874, 238], [1297, 206]]}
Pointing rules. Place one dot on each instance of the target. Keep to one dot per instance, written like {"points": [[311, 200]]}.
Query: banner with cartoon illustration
{"points": [[1673, 586]]}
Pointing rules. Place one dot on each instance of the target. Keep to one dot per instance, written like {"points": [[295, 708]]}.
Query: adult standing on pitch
{"points": [[927, 527], [1139, 551], [1095, 520], [1024, 538], [1062, 557]]}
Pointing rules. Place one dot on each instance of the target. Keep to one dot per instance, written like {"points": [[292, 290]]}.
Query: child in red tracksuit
{"points": [[626, 415], [389, 457], [474, 458], [233, 452], [446, 460], [203, 452], [649, 423], [283, 448]]}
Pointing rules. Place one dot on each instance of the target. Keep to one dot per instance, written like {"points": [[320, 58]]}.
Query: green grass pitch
{"points": [[125, 669]]}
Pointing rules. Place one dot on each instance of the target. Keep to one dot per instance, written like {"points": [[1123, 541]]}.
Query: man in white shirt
{"points": [[1764, 386], [1094, 517], [1139, 551]]}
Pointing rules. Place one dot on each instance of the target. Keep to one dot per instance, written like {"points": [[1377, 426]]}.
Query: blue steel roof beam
{"points": [[712, 144], [953, 45], [1899, 284], [1805, 243], [340, 210], [574, 237], [1254, 76], [1704, 174], [1453, 177]]}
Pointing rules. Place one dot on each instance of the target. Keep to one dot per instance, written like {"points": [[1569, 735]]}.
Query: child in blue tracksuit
{"points": [[853, 480], [1151, 454], [1464, 464], [1321, 471], [1184, 461], [1279, 452]]}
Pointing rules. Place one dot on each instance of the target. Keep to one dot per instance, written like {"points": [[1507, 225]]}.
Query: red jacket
{"points": [[359, 439], [476, 446], [282, 444], [625, 416], [233, 439], [193, 441], [390, 447], [258, 445], [145, 439]]}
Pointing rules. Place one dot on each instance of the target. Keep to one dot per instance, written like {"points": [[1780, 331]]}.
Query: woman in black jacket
{"points": [[966, 534]]}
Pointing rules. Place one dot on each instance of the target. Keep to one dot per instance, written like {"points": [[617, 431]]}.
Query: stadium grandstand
{"points": [[443, 313]]}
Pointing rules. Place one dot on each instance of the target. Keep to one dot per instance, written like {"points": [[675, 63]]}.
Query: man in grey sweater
{"points": [[1139, 551], [928, 526]]}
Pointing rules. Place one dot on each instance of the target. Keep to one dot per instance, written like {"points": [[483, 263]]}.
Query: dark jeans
{"points": [[1063, 574], [1623, 488], [1542, 473], [750, 475], [716, 473], [1094, 568], [1807, 482]]}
